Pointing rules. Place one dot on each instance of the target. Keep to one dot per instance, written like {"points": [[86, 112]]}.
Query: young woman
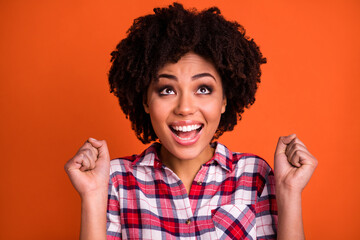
{"points": [[184, 77]]}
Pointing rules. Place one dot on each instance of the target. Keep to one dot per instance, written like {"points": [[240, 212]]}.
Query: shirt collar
{"points": [[223, 156], [149, 157]]}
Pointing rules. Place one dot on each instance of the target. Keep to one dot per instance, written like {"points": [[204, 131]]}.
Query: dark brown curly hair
{"points": [[156, 39]]}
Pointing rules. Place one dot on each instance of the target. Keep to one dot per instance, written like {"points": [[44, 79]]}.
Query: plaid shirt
{"points": [[231, 197]]}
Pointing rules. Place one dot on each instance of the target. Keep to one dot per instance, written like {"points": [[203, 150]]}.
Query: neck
{"points": [[186, 169]]}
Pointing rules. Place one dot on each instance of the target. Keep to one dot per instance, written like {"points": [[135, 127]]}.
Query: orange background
{"points": [[54, 95]]}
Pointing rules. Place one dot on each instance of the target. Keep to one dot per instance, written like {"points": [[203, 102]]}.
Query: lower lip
{"points": [[186, 142]]}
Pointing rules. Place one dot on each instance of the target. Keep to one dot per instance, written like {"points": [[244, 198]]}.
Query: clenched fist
{"points": [[294, 164], [89, 169]]}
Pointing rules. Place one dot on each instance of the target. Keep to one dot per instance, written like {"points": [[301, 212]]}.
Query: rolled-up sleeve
{"points": [[266, 209], [113, 226]]}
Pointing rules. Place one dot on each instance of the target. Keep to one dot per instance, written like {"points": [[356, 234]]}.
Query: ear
{"points": [[223, 107]]}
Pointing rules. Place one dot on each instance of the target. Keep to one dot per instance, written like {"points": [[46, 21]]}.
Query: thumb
{"points": [[103, 158], [283, 142], [102, 149]]}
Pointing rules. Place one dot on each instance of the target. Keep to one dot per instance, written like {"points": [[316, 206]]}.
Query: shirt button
{"points": [[188, 221], [199, 183]]}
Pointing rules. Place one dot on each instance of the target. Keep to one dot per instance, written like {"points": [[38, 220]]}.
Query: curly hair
{"points": [[156, 39]]}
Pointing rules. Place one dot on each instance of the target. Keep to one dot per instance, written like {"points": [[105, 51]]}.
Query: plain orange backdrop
{"points": [[54, 59]]}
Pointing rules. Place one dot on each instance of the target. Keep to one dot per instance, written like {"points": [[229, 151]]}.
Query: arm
{"points": [[88, 171], [294, 166], [93, 217], [290, 225]]}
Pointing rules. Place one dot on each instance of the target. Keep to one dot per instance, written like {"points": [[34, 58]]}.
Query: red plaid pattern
{"points": [[231, 197]]}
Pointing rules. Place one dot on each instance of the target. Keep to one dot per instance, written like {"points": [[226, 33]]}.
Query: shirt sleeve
{"points": [[113, 226], [266, 208]]}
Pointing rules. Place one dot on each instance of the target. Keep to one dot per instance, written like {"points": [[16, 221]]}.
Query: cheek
{"points": [[212, 111], [158, 114]]}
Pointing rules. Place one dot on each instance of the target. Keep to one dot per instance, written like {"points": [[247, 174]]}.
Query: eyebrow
{"points": [[197, 76]]}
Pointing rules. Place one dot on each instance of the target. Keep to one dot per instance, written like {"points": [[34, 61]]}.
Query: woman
{"points": [[184, 77]]}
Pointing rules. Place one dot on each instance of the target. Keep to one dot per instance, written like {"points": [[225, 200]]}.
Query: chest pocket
{"points": [[234, 221]]}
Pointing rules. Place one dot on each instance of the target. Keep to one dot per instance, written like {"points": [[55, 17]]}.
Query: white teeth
{"points": [[183, 138], [187, 128]]}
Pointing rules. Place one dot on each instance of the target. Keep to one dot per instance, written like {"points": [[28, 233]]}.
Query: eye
{"points": [[204, 90], [166, 91]]}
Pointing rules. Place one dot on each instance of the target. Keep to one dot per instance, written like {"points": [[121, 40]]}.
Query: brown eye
{"points": [[166, 91], [204, 90]]}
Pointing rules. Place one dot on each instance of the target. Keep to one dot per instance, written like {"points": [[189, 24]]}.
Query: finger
{"points": [[283, 142], [280, 159], [291, 150], [295, 141], [78, 162], [89, 158], [101, 147], [72, 165], [296, 144], [103, 160], [294, 159], [84, 161], [301, 158], [92, 151], [306, 159]]}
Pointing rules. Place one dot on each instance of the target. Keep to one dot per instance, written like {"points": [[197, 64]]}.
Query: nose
{"points": [[185, 105]]}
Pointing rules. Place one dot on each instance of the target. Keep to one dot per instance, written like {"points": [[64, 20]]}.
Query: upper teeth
{"points": [[187, 128]]}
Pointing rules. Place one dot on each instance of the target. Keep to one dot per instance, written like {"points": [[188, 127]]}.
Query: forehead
{"points": [[188, 64]]}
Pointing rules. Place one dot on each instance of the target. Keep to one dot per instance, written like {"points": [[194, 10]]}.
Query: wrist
{"points": [[287, 190], [94, 196], [286, 197], [100, 191]]}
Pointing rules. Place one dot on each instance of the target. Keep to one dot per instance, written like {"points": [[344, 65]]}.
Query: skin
{"points": [[189, 91], [179, 96], [89, 171], [293, 168]]}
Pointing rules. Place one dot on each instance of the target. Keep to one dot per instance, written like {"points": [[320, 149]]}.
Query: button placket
{"points": [[201, 175]]}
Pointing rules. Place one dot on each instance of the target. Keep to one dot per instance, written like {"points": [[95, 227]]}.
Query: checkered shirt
{"points": [[231, 197]]}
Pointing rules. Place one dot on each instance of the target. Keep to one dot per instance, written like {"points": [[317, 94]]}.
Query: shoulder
{"points": [[248, 167], [121, 161], [120, 169], [251, 163], [247, 162], [249, 173], [128, 163]]}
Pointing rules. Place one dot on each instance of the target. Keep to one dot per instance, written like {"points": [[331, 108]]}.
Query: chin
{"points": [[188, 152]]}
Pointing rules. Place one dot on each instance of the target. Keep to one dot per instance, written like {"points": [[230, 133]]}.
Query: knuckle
{"points": [[315, 162], [297, 147], [297, 152], [86, 163], [88, 151], [66, 166], [85, 152], [86, 144]]}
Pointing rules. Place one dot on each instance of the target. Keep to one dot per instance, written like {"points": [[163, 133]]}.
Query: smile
{"points": [[185, 128], [186, 134]]}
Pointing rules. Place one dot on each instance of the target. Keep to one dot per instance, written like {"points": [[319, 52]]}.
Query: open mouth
{"points": [[186, 132]]}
